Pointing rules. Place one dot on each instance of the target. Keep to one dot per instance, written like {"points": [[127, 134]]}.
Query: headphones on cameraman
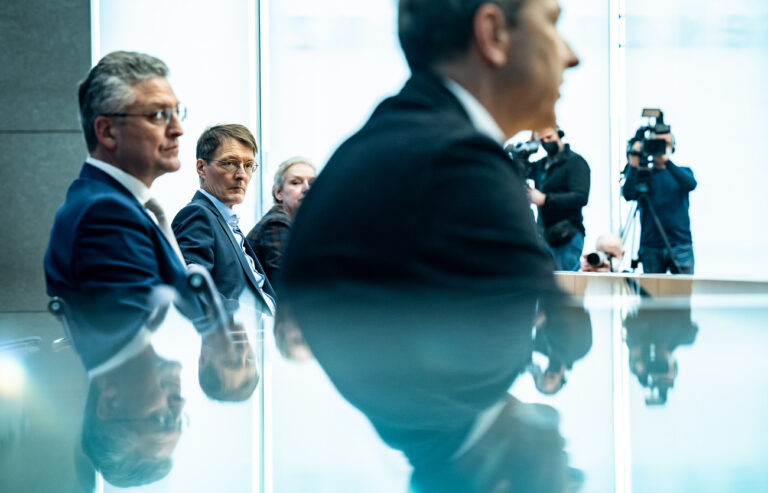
{"points": [[560, 132]]}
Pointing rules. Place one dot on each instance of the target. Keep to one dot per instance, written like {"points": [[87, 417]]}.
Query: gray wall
{"points": [[45, 52]]}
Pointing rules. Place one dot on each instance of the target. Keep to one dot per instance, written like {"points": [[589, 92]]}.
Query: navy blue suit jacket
{"points": [[104, 257], [206, 239]]}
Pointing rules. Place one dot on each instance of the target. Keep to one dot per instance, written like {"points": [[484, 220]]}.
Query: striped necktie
{"points": [[233, 222], [241, 241]]}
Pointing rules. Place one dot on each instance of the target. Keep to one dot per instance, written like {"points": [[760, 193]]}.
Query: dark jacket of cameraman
{"points": [[565, 181], [668, 191]]}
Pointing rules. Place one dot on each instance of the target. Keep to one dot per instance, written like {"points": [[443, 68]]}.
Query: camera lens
{"points": [[596, 259]]}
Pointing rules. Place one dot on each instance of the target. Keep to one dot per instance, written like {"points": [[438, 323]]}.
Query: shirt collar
{"points": [[133, 184], [229, 215], [478, 115]]}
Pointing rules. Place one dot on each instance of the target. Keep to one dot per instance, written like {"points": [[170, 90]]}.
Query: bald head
{"points": [[610, 244]]}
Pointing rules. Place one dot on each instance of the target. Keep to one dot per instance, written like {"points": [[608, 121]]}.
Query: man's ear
{"points": [[105, 132], [277, 193], [491, 34], [201, 169]]}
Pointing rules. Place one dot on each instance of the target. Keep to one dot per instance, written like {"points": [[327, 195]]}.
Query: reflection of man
{"points": [[418, 226], [133, 419], [207, 228], [269, 237], [107, 250], [611, 247], [669, 187], [652, 334], [562, 190], [227, 365]]}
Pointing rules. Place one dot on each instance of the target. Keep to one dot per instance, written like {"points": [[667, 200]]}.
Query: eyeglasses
{"points": [[159, 117], [232, 165], [161, 422]]}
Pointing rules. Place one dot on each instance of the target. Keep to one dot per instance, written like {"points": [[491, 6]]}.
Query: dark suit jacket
{"points": [[205, 239], [104, 256], [418, 226]]}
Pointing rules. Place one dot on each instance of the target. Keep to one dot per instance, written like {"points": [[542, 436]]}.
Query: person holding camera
{"points": [[608, 255], [668, 186], [561, 190]]}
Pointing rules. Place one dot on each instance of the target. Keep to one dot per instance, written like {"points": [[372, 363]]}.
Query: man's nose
{"points": [[173, 129], [176, 404], [569, 57]]}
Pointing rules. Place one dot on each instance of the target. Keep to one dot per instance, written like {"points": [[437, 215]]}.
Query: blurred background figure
{"points": [[269, 237], [607, 257], [561, 190], [661, 192]]}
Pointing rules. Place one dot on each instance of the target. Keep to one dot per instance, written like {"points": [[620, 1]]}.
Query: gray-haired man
{"points": [[110, 243]]}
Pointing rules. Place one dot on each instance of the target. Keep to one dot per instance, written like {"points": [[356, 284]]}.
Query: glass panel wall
{"points": [[583, 109], [329, 64], [211, 51]]}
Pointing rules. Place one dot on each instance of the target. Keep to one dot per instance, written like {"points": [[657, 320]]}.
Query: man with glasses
{"points": [[207, 228], [133, 419], [110, 248], [111, 244]]}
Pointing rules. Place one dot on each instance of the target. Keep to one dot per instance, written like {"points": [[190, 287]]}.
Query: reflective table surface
{"points": [[656, 387]]}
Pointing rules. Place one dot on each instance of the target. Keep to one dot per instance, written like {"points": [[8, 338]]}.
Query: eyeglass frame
{"points": [[155, 116], [224, 164], [167, 423]]}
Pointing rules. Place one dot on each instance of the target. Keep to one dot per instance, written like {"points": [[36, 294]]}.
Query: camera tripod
{"points": [[644, 202]]}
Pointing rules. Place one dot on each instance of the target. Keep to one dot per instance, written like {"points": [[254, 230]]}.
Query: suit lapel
{"points": [[238, 252], [94, 173]]}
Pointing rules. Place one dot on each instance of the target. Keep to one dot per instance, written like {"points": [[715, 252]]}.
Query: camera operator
{"points": [[561, 190], [668, 188]]}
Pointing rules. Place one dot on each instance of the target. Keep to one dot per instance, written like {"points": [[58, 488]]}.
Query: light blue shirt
{"points": [[232, 220]]}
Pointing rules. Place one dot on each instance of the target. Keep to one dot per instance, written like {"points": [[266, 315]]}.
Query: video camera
{"points": [[650, 147], [521, 151]]}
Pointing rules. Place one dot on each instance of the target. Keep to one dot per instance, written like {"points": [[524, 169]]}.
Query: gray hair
{"points": [[107, 89], [114, 450], [283, 168]]}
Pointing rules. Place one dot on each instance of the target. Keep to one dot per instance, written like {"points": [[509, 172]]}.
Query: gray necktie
{"points": [[153, 206]]}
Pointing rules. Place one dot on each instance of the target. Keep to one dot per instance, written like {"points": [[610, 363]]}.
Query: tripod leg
{"points": [[660, 229]]}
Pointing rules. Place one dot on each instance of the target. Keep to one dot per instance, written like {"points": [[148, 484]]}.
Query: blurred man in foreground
{"points": [[418, 233]]}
